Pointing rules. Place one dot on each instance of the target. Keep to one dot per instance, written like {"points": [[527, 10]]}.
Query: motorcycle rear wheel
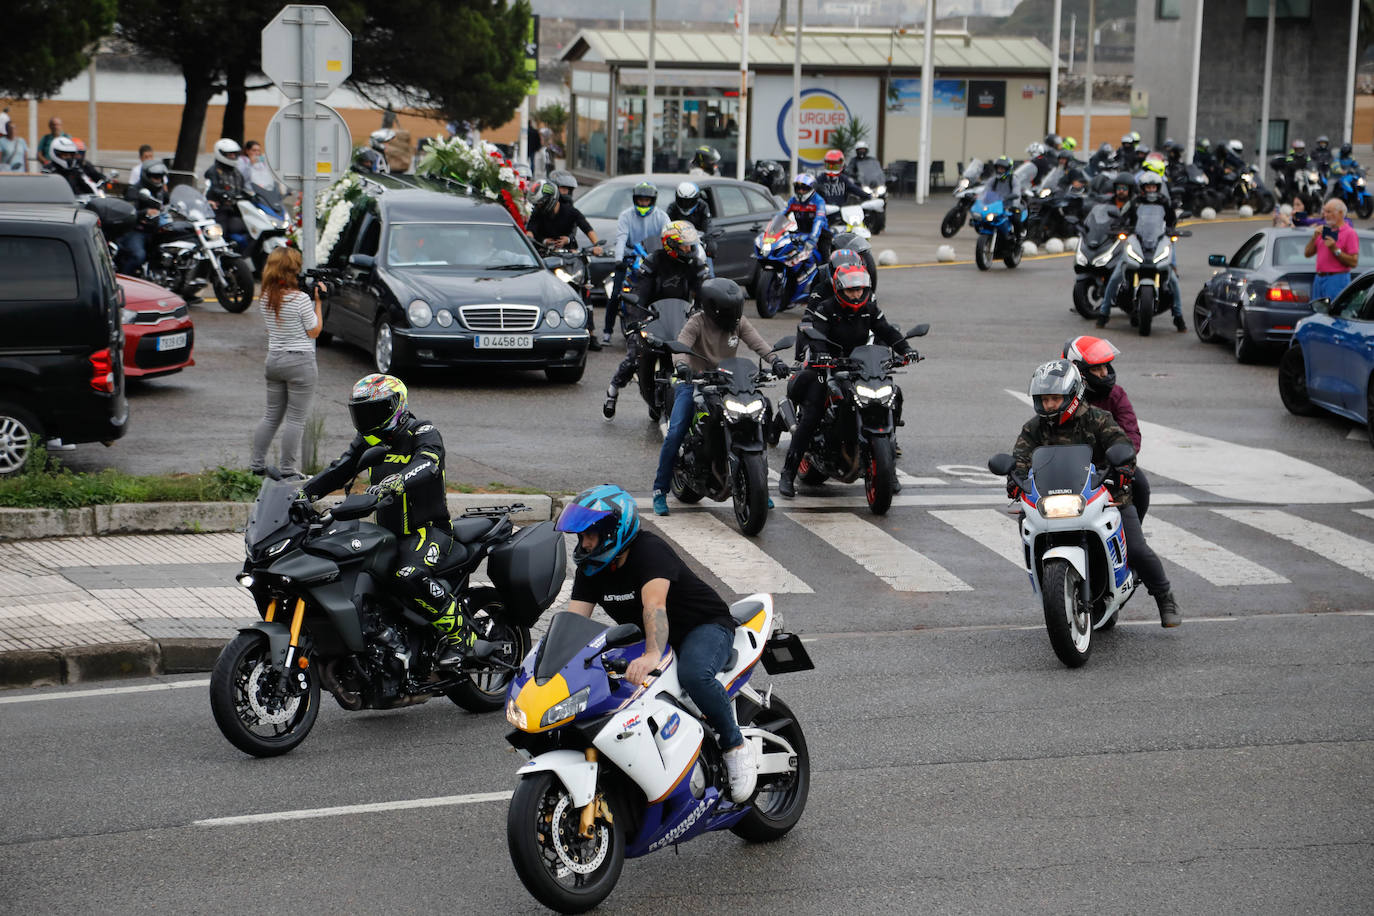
{"points": [[484, 689], [236, 294], [1145, 308], [953, 221], [774, 289], [780, 800], [1068, 620], [1087, 297], [255, 721], [982, 252], [558, 867], [878, 475], [750, 494], [682, 489]]}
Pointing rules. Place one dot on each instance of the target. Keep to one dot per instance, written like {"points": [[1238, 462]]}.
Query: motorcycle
{"points": [[1349, 187], [855, 436], [615, 770], [188, 248], [570, 265], [1053, 213], [321, 583], [1242, 187], [769, 174], [1149, 261], [997, 237], [724, 455], [1309, 185], [850, 221], [659, 328], [264, 215], [870, 176], [787, 262], [966, 193], [1075, 547], [1191, 191], [1099, 249]]}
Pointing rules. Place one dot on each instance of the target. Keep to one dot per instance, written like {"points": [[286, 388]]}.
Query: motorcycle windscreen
{"points": [[672, 315], [870, 172], [1061, 468], [973, 169], [271, 512], [740, 372], [1097, 228], [781, 223], [568, 635], [869, 359], [1149, 224], [191, 202], [992, 194]]}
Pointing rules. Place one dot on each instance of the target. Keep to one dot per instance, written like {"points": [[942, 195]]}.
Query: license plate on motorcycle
{"points": [[505, 341], [784, 653], [171, 342]]}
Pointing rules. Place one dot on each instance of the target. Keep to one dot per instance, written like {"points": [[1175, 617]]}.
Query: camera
{"points": [[307, 279]]}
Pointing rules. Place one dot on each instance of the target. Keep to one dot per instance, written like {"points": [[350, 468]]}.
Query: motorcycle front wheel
{"points": [[236, 294], [1087, 297], [774, 288], [953, 221], [1013, 256], [1365, 208], [1068, 619], [247, 707], [780, 800], [562, 869], [1145, 308], [982, 252], [484, 689], [878, 475], [750, 493]]}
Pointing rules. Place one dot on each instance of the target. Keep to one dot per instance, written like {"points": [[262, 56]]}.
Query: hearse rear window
{"points": [[36, 269]]}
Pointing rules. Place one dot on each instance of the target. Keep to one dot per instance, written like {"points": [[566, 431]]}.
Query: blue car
{"points": [[1330, 365]]}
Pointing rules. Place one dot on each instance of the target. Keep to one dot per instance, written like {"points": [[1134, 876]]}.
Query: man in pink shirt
{"points": [[1337, 249]]}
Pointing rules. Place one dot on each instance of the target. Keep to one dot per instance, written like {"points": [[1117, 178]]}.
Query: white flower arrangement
{"points": [[339, 215], [335, 208]]}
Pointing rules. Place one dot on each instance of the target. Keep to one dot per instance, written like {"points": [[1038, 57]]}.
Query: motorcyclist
{"points": [[673, 271], [64, 159], [1232, 156], [371, 159], [566, 182], [133, 245], [223, 187], [835, 185], [554, 222], [90, 171], [1062, 417], [860, 163], [1053, 143], [640, 221], [1104, 160], [705, 162], [1204, 159], [715, 332], [1322, 156], [1003, 183], [808, 209], [1093, 356], [637, 578], [1150, 191], [1345, 161], [690, 206], [1042, 157], [846, 317], [1288, 166], [1175, 169], [412, 475], [1129, 155]]}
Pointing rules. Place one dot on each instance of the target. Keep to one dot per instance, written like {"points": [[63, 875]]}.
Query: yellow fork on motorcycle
{"points": [[271, 610], [595, 808], [293, 648]]}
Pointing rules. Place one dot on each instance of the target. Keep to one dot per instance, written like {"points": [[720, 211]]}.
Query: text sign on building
{"points": [[987, 98]]}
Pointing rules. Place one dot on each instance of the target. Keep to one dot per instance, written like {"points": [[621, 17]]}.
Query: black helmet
{"points": [[154, 175], [378, 406], [688, 196], [1123, 179], [705, 158], [1053, 141], [723, 302], [1345, 150], [1058, 377]]}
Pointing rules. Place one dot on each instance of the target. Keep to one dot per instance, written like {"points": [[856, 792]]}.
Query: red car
{"points": [[157, 329]]}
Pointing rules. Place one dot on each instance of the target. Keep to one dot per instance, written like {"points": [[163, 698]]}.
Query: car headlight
{"points": [[736, 409], [444, 317], [1064, 505], [552, 318], [865, 395], [566, 709], [214, 231], [574, 313], [419, 313], [277, 548], [127, 316], [1133, 252], [516, 716]]}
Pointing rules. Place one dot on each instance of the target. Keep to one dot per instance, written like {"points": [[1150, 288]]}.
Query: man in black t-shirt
{"points": [[554, 223], [637, 578]]}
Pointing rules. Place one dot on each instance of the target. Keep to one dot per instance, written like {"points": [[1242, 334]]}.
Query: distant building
{"points": [[1308, 91]]}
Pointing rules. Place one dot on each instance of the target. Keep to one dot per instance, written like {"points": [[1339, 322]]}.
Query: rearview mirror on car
{"points": [[1216, 260]]}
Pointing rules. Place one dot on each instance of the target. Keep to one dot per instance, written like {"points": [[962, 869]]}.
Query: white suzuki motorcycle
{"points": [[620, 770], [1075, 548]]}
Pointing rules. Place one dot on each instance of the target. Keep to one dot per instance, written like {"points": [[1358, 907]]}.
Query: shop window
{"points": [[1283, 9], [1277, 142], [1168, 9], [730, 201]]}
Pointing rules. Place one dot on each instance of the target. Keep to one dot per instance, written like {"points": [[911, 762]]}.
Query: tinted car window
{"points": [[760, 202], [371, 236], [36, 269], [473, 246], [607, 201], [730, 201], [1355, 297], [1249, 253]]}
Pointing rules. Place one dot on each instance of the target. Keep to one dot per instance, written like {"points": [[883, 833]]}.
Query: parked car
{"points": [[1258, 296], [740, 209], [1330, 364], [61, 359], [433, 279], [158, 334]]}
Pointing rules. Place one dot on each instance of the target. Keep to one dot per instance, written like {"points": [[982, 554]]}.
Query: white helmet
{"points": [[61, 148], [1036, 149], [1236, 147], [224, 147], [380, 137]]}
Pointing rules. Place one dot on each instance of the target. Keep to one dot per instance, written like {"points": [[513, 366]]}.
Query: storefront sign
{"points": [[827, 104], [987, 98]]}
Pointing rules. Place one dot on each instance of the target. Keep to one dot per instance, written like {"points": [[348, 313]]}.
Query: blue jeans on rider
{"points": [[1118, 277], [702, 655], [678, 422], [133, 251]]}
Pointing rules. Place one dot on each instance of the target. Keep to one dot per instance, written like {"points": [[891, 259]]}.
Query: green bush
{"points": [[45, 484]]}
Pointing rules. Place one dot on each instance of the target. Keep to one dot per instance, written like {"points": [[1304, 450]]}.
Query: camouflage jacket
{"points": [[1090, 426]]}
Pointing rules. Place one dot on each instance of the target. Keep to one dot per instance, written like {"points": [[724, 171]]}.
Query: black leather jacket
{"points": [[224, 182], [665, 277], [849, 329], [835, 189]]}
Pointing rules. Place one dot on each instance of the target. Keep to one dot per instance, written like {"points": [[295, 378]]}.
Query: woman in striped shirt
{"points": [[293, 323]]}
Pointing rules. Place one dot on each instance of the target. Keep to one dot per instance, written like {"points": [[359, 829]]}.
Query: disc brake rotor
{"points": [[283, 709], [561, 840]]}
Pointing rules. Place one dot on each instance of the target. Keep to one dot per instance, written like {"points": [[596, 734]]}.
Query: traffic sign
{"points": [[327, 160], [282, 43]]}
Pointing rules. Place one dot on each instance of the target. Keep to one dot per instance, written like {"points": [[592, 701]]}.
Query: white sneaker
{"points": [[743, 771]]}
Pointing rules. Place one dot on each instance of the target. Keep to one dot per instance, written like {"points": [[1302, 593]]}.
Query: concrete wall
{"points": [[1163, 61]]}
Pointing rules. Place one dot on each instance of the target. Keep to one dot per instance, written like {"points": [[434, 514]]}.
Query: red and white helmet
{"points": [[1086, 352], [834, 162], [853, 287]]}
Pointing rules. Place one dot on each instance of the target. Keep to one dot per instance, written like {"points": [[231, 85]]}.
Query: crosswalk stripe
{"points": [[1367, 513], [993, 528], [880, 553], [906, 479], [1207, 559], [1330, 543], [730, 556]]}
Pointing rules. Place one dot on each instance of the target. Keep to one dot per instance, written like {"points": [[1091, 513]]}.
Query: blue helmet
{"points": [[803, 187], [608, 511]]}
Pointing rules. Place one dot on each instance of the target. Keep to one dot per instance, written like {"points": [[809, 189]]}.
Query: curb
{"points": [[24, 668]]}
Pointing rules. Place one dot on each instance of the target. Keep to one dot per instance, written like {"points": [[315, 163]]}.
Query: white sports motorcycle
{"points": [[620, 770], [1075, 547]]}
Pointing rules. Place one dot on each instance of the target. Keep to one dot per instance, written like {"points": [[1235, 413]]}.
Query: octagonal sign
{"points": [[283, 52]]}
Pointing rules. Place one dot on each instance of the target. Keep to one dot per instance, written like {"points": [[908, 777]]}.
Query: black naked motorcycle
{"points": [[724, 454], [322, 583], [655, 372], [855, 436]]}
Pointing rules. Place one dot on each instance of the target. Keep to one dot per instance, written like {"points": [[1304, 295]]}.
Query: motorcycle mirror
{"points": [[921, 330], [627, 634], [1184, 234], [373, 456], [784, 343], [1120, 454], [1001, 464], [362, 261], [145, 194], [1216, 260]]}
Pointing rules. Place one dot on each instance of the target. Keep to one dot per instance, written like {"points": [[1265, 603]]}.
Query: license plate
{"points": [[505, 341], [171, 341]]}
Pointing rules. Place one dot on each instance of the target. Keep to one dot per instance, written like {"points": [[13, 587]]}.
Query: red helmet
{"points": [[834, 161], [853, 287], [1087, 352]]}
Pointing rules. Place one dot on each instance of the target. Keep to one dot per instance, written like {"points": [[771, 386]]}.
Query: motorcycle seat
{"points": [[468, 530], [745, 611]]}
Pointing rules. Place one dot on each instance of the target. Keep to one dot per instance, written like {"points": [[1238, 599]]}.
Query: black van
{"points": [[61, 341]]}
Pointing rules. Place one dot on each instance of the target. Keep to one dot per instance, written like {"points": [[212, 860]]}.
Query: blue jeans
{"points": [[1328, 286], [1118, 277], [133, 251], [703, 653], [678, 423]]}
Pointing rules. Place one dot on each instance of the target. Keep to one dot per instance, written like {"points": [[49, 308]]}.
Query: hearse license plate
{"points": [[505, 341], [171, 342]]}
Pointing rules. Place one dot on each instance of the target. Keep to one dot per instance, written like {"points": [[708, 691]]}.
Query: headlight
{"points": [[1044, 192], [566, 709], [1245, 176], [127, 316], [1203, 179], [765, 247], [574, 313], [1312, 177], [516, 716], [880, 191], [213, 232], [444, 317], [277, 548], [419, 313], [1062, 506], [963, 183], [1359, 182], [1163, 253], [1105, 258], [865, 395], [563, 275], [1080, 258], [1133, 252], [991, 217], [736, 409], [244, 579], [552, 318]]}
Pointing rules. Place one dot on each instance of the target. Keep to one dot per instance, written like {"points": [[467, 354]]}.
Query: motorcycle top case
{"points": [[528, 570], [116, 216]]}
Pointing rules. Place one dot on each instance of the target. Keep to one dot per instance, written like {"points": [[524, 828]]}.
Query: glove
{"points": [[388, 485], [682, 373], [780, 369], [1122, 478], [909, 357], [1013, 489]]}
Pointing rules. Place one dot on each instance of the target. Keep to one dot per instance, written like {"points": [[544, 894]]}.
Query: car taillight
{"points": [[1282, 292], [102, 372]]}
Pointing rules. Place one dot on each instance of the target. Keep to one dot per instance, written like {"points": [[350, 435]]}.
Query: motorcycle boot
{"points": [[458, 638], [608, 408], [1169, 615], [787, 477]]}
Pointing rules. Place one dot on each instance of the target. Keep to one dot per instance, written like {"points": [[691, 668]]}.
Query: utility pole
{"points": [[1088, 80], [743, 119], [1197, 74], [1052, 120], [649, 93], [1264, 92], [927, 94], [796, 95]]}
